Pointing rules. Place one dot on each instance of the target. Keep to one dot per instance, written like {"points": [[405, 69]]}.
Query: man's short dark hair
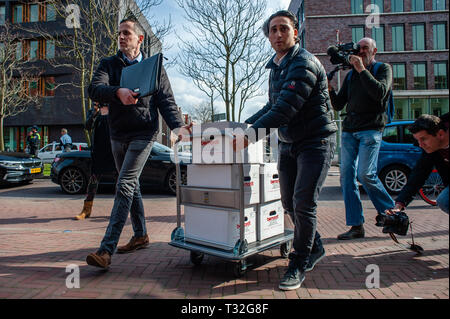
{"points": [[281, 13], [429, 123], [137, 27]]}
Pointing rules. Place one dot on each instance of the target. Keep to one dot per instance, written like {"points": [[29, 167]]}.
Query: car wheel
{"points": [[171, 180], [394, 178], [73, 181]]}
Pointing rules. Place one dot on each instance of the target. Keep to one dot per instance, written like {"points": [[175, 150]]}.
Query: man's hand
{"points": [[240, 142], [184, 133], [127, 97], [397, 208], [357, 63]]}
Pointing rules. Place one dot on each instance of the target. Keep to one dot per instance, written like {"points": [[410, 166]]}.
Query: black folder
{"points": [[143, 77]]}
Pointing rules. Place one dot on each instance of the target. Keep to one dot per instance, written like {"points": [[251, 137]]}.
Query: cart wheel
{"points": [[285, 248], [240, 268], [196, 257]]}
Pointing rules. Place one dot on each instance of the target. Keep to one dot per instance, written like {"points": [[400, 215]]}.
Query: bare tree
{"points": [[227, 54], [16, 75], [202, 113]]}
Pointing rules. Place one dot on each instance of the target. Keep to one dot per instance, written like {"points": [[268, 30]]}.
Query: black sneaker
{"points": [[314, 258], [292, 279]]}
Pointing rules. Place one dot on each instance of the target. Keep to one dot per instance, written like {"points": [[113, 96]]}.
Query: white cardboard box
{"points": [[270, 220], [270, 183], [213, 144], [218, 228], [226, 176]]}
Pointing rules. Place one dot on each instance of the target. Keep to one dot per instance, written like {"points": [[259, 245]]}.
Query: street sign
{"points": [[219, 117]]}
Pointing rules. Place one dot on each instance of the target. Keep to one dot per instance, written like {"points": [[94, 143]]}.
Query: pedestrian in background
{"points": [[33, 141], [65, 141], [102, 160]]}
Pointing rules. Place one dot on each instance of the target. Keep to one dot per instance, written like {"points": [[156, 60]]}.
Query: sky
{"points": [[185, 92]]}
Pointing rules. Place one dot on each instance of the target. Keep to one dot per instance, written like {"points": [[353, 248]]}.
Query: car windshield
{"points": [[161, 148]]}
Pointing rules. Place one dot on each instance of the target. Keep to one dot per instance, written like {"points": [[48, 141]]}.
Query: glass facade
{"points": [[418, 36], [412, 108], [379, 4], [34, 12], [18, 13], [34, 46], [438, 4], [417, 5], [398, 38], [418, 106], [19, 54], [420, 76], [439, 36], [399, 76], [357, 33], [440, 75], [357, 6], [378, 36], [2, 15], [438, 106], [49, 49], [51, 14], [396, 5]]}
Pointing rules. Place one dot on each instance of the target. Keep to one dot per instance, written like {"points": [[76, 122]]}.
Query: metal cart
{"points": [[224, 198]]}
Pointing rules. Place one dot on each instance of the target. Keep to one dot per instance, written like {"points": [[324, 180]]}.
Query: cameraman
{"points": [[432, 134], [365, 101]]}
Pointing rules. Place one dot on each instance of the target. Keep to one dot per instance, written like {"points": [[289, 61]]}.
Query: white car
{"points": [[49, 151]]}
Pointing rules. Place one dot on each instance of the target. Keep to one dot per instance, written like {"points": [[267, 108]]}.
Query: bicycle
{"points": [[432, 187]]}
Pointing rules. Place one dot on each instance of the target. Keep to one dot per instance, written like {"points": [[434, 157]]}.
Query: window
{"points": [[18, 13], [418, 34], [379, 4], [378, 36], [49, 49], [399, 76], [390, 134], [439, 105], [396, 5], [420, 76], [301, 14], [398, 38], [440, 75], [34, 49], [34, 87], [408, 137], [19, 51], [2, 15], [439, 36], [438, 4], [419, 106], [50, 14], [357, 6], [34, 13], [417, 5], [48, 86], [357, 33]]}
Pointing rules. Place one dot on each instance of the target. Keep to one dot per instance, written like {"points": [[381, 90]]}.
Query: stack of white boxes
{"points": [[214, 166]]}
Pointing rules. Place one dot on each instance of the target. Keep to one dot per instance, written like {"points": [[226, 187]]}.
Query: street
{"points": [[39, 239]]}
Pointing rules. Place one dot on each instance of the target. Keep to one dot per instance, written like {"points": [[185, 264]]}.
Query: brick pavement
{"points": [[38, 239]]}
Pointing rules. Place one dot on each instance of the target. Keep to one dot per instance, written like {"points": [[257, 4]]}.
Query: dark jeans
{"points": [[302, 168], [130, 159]]}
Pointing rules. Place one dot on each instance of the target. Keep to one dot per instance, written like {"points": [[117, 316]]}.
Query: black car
{"points": [[19, 168], [72, 170]]}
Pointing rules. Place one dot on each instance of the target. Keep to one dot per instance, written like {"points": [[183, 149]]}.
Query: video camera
{"points": [[397, 223], [339, 54]]}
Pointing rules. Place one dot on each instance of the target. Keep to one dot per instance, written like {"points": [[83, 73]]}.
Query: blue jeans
{"points": [[130, 159], [303, 168], [359, 158], [442, 200]]}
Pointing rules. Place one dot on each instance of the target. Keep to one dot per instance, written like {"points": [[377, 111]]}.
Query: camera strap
{"points": [[412, 246]]}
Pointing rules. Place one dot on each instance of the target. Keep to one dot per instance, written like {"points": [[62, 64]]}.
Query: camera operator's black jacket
{"points": [[132, 122], [367, 101], [299, 104], [422, 170]]}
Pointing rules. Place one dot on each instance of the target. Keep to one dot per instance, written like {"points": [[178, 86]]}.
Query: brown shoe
{"points": [[99, 259], [86, 212], [135, 243]]}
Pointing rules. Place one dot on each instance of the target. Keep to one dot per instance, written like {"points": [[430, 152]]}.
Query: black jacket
{"points": [[366, 99], [132, 122], [422, 170], [299, 104], [101, 154]]}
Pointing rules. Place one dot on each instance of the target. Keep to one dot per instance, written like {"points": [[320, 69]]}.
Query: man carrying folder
{"points": [[133, 124]]}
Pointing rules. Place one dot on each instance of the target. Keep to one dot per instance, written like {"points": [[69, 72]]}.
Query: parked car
{"points": [[19, 167], [72, 170], [398, 156], [49, 151]]}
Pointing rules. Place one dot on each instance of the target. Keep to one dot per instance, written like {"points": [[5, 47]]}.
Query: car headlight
{"points": [[9, 164]]}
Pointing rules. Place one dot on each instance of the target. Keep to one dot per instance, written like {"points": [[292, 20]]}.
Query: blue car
{"points": [[398, 156]]}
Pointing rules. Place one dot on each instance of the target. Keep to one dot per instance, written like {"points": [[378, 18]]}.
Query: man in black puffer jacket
{"points": [[299, 106], [133, 124]]}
